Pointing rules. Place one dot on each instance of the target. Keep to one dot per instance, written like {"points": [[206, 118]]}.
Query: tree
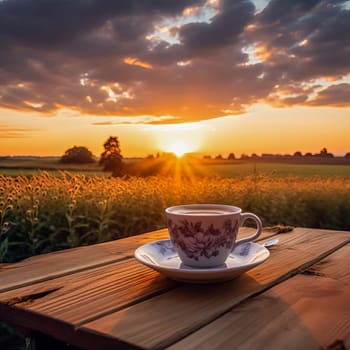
{"points": [[77, 155], [324, 153], [231, 156], [244, 156], [111, 158]]}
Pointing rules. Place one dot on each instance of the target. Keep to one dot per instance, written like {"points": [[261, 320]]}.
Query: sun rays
{"points": [[170, 165]]}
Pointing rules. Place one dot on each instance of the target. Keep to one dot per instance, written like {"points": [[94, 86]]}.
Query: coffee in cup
{"points": [[203, 235]]}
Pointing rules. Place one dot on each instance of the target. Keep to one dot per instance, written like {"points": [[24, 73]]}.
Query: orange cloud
{"points": [[135, 62]]}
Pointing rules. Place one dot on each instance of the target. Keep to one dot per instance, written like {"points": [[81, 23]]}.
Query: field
{"points": [[279, 169], [56, 209], [337, 167], [34, 166]]}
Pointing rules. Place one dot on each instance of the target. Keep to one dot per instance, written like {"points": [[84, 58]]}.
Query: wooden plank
{"points": [[57, 307], [93, 292], [48, 266], [164, 319], [80, 297], [308, 311], [88, 294]]}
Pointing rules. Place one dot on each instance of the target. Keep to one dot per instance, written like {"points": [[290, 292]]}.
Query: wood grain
{"points": [[49, 266], [46, 266], [308, 311], [93, 300], [88, 294], [57, 307], [164, 319]]}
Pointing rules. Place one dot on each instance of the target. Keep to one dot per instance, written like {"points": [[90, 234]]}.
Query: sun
{"points": [[179, 148], [179, 139]]}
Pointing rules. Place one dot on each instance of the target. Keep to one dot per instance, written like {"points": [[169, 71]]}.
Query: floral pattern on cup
{"points": [[196, 240], [165, 247]]}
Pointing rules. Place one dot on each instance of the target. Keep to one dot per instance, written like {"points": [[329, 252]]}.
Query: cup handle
{"points": [[256, 234]]}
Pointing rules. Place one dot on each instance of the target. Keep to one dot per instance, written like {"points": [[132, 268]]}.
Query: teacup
{"points": [[203, 235]]}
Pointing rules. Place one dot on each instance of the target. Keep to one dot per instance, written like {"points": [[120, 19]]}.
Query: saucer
{"points": [[161, 256]]}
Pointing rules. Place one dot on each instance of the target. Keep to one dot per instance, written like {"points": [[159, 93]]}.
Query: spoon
{"points": [[271, 242]]}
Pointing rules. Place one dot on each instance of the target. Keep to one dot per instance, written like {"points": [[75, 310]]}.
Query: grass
{"points": [[280, 169], [28, 167]]}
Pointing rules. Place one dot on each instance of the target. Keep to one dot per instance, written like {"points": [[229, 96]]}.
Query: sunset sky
{"points": [[207, 76]]}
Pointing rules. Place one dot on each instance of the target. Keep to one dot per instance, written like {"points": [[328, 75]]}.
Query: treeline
{"points": [[322, 154]]}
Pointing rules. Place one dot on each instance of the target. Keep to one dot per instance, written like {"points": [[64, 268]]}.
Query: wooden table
{"points": [[100, 297]]}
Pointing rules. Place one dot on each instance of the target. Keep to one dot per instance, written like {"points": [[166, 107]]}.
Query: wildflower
{"points": [[5, 227], [9, 207]]}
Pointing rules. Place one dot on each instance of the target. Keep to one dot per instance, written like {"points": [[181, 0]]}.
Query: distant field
{"points": [[27, 167], [202, 168], [29, 172], [279, 169]]}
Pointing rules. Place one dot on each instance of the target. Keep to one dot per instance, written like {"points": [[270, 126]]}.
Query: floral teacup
{"points": [[203, 235]]}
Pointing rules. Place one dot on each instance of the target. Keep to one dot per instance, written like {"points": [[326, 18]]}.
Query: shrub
{"points": [[77, 155]]}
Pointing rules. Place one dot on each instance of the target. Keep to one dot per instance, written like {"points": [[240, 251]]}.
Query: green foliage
{"points": [[44, 213], [77, 155]]}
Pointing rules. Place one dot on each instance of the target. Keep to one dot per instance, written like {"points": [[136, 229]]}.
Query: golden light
{"points": [[179, 138], [262, 52], [178, 147]]}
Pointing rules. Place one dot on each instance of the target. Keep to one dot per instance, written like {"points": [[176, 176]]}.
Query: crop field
{"points": [[44, 212]]}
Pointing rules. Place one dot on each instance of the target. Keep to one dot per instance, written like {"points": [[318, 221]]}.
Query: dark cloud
{"points": [[335, 95], [49, 23], [304, 41], [223, 30], [98, 56]]}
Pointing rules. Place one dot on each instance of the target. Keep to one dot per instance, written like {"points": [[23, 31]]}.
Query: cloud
{"points": [[335, 95], [8, 132], [136, 120], [223, 30], [184, 60]]}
